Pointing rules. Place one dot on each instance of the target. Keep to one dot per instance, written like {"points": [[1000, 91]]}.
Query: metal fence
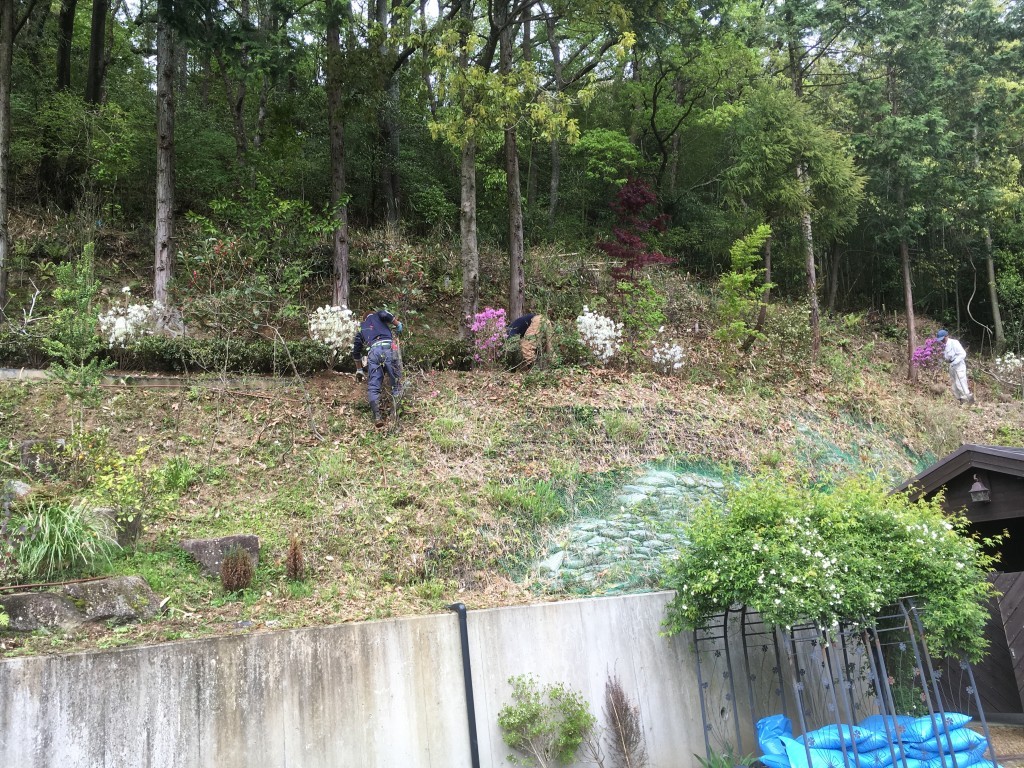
{"points": [[820, 676]]}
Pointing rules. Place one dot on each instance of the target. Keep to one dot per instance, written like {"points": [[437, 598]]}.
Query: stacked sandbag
{"points": [[940, 741], [879, 741]]}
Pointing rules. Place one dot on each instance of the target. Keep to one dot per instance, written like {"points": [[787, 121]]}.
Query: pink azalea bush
{"points": [[928, 354], [488, 327]]}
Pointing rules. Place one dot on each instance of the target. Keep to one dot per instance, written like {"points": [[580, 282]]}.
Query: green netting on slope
{"points": [[624, 524]]}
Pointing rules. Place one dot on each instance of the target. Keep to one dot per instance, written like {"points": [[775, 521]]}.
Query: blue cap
{"points": [[942, 334]]}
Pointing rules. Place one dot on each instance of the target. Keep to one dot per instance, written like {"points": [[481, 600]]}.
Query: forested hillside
{"points": [[247, 147], [745, 222]]}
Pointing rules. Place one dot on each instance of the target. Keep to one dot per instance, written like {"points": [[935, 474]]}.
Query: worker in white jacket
{"points": [[953, 353]]}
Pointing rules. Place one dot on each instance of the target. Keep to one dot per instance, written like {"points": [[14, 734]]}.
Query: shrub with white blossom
{"points": [[122, 326], [797, 553], [334, 327], [1010, 370], [668, 357], [601, 335]]}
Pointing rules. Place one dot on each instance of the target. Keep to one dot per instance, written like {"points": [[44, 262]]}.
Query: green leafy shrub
{"points": [[70, 337], [741, 288], [437, 353], [21, 348], [797, 553], [236, 570], [546, 723], [63, 539], [642, 312], [244, 266]]}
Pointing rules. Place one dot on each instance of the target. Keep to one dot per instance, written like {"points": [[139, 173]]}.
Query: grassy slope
{"points": [[446, 508]]}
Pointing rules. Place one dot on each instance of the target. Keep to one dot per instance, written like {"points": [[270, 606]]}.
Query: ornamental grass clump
{"points": [[295, 561], [796, 553], [236, 570]]}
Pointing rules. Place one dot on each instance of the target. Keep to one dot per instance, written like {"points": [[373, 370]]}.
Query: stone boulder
{"points": [[121, 599], [14, 490], [30, 611], [209, 553]]}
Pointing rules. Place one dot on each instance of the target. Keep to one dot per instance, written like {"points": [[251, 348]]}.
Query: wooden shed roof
{"points": [[996, 458]]}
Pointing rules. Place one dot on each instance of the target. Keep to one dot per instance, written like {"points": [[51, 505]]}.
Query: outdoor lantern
{"points": [[979, 492]]}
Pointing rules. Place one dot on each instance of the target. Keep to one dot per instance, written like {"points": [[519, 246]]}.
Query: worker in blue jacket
{"points": [[375, 340]]}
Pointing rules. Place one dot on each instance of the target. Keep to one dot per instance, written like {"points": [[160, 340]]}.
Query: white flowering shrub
{"points": [[1009, 364], [124, 325], [335, 327], [1010, 369], [668, 357], [601, 335], [797, 552]]}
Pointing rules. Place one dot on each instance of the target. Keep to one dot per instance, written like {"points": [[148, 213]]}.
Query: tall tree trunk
{"points": [[181, 78], [97, 39], [470, 255], [516, 250], [796, 74], [806, 234], [336, 126], [556, 174], [993, 296], [235, 95], [6, 64], [516, 283], [531, 154], [908, 302], [387, 123], [833, 277], [164, 258], [269, 25], [65, 33], [236, 92], [556, 154], [261, 112], [206, 78]]}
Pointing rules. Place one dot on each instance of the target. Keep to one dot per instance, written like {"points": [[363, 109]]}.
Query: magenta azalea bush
{"points": [[488, 327], [928, 355]]}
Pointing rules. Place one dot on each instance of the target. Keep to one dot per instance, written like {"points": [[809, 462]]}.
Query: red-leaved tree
{"points": [[635, 228]]}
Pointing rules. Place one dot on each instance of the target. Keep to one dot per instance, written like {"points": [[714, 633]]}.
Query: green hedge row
{"points": [[255, 356]]}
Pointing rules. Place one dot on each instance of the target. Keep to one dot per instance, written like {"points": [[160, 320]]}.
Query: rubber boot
{"points": [[378, 420]]}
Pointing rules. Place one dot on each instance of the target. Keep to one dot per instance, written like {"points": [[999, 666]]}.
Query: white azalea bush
{"points": [[601, 335], [668, 357], [797, 553], [334, 327], [1009, 369], [122, 326]]}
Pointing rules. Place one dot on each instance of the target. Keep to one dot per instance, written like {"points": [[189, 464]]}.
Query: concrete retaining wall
{"points": [[380, 694]]}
